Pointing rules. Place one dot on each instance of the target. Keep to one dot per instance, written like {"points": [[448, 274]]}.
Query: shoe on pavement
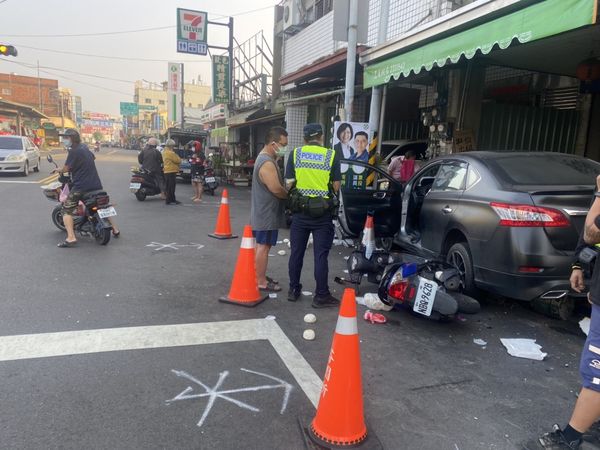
{"points": [[556, 440], [325, 301], [294, 295]]}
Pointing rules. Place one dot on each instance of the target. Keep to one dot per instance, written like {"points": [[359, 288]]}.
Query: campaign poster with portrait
{"points": [[351, 140]]}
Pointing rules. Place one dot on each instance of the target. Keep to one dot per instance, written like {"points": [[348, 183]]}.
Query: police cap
{"points": [[312, 130]]}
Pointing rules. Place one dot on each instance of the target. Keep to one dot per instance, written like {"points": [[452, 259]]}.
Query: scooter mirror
{"points": [[49, 158]]}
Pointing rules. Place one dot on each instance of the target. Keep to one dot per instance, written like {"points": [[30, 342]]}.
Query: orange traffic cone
{"points": [[244, 287], [223, 228], [340, 420], [368, 239]]}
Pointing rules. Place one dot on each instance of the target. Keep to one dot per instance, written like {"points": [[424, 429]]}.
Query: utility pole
{"points": [[376, 104], [351, 59], [182, 99], [39, 86]]}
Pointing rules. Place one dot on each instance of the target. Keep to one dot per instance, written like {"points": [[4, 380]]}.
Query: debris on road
{"points": [[373, 301], [480, 342], [272, 295], [270, 317], [524, 348], [309, 335], [310, 318], [584, 324], [372, 317], [306, 293], [281, 252]]}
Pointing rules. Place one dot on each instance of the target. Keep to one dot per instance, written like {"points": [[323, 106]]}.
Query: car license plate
{"points": [[210, 179], [135, 186], [425, 296], [107, 212], [186, 170]]}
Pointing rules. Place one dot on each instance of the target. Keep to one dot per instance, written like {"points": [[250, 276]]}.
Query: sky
{"points": [[113, 79]]}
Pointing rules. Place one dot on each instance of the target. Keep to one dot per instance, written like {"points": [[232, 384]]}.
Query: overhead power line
{"points": [[139, 30], [35, 66], [121, 58]]}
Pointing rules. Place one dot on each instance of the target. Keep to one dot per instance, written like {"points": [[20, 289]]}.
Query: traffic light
{"points": [[7, 50]]}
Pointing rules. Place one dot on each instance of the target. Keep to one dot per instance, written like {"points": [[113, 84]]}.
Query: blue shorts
{"points": [[266, 237], [589, 367]]}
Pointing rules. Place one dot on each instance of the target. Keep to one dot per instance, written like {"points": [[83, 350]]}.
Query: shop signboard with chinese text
{"points": [[221, 81], [191, 31], [175, 83]]}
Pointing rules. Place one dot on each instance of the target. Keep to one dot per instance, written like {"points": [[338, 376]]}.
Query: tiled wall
{"points": [[295, 119]]}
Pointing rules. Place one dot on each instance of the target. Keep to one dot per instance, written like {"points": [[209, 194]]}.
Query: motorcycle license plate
{"points": [[107, 212], [186, 170], [135, 186], [425, 296], [210, 179]]}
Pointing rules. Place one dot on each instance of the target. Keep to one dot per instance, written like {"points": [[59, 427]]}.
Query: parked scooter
{"points": [[93, 211], [97, 147], [143, 183], [210, 183]]}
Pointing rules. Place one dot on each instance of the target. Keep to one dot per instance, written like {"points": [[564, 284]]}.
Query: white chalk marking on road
{"points": [[214, 393], [45, 345], [19, 182], [174, 246]]}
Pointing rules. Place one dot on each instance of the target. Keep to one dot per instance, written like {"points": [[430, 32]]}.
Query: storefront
{"points": [[499, 76]]}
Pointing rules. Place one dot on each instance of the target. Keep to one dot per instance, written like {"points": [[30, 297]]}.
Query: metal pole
{"points": [[231, 83], [381, 119], [351, 59], [39, 86], [376, 91], [62, 115], [182, 99]]}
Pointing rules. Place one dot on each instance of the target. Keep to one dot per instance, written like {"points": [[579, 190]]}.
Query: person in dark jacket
{"points": [[587, 407], [150, 159]]}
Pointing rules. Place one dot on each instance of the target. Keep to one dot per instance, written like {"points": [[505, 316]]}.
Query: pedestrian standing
{"points": [[197, 171], [267, 210], [587, 407], [171, 168], [314, 173]]}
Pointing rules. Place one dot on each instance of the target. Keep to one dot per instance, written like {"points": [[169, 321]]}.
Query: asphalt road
{"points": [[426, 385]]}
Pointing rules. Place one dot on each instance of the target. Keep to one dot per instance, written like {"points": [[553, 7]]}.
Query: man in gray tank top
{"points": [[267, 211]]}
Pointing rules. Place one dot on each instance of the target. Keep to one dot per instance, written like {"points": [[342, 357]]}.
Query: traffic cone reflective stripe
{"points": [[340, 419], [244, 286], [223, 227]]}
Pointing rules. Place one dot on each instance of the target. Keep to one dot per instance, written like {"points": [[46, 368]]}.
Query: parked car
{"points": [[509, 221], [18, 154]]}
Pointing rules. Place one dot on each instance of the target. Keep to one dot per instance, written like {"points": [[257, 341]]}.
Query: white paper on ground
{"points": [[479, 342], [524, 348], [584, 324], [272, 295], [306, 293]]}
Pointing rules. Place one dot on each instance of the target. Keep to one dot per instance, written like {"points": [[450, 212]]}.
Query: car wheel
{"points": [[460, 257], [37, 167], [25, 169]]}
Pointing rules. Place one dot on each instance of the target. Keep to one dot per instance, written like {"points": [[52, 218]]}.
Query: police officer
{"points": [[313, 172]]}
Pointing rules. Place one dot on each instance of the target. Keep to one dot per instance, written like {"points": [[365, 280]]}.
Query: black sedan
{"points": [[509, 221]]}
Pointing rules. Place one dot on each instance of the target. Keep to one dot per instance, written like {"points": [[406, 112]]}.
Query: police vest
{"points": [[313, 164]]}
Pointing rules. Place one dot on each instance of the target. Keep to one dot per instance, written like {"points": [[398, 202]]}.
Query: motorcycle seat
{"points": [[96, 193]]}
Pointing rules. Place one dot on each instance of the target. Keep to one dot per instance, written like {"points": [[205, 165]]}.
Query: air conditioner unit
{"points": [[293, 16]]}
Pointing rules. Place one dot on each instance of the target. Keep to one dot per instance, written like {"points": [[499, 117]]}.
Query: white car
{"points": [[18, 154]]}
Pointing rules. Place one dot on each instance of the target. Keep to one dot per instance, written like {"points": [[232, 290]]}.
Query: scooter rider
{"points": [[80, 163], [151, 160], [315, 172]]}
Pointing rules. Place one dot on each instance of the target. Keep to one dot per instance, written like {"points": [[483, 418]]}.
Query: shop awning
{"points": [[240, 118], [537, 21], [62, 122], [11, 108], [259, 120]]}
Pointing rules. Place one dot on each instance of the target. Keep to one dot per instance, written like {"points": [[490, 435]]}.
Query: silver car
{"points": [[18, 154]]}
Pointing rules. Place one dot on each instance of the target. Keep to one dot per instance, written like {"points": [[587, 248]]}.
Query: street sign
{"points": [[129, 109], [175, 83], [221, 82], [191, 31], [147, 108]]}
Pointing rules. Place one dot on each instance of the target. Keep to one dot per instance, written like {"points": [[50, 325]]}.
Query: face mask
{"points": [[281, 151], [67, 142]]}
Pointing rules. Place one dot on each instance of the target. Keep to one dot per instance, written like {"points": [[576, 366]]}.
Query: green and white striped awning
{"points": [[537, 21]]}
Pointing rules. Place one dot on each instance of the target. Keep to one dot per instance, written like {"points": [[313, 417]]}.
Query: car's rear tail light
{"points": [[529, 216], [530, 269]]}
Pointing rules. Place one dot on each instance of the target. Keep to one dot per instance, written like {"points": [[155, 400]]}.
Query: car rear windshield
{"points": [[544, 169], [10, 143]]}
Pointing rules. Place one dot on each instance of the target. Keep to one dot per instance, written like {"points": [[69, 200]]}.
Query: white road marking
{"points": [[19, 182], [46, 345], [174, 246], [214, 393]]}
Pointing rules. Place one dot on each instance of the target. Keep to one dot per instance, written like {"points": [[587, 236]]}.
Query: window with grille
{"points": [[322, 7]]}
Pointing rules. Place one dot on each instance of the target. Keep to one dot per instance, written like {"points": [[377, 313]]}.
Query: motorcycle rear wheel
{"points": [[140, 195], [103, 236]]}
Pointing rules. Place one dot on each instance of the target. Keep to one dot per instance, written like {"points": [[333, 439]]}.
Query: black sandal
{"points": [[271, 280], [65, 244], [270, 287], [116, 235]]}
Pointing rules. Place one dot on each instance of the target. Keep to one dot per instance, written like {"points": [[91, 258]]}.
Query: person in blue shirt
{"points": [[80, 163]]}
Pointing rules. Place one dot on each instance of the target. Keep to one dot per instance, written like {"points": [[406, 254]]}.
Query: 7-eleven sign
{"points": [[191, 26]]}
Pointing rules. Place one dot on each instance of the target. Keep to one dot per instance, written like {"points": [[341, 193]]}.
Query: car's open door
{"points": [[366, 188]]}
